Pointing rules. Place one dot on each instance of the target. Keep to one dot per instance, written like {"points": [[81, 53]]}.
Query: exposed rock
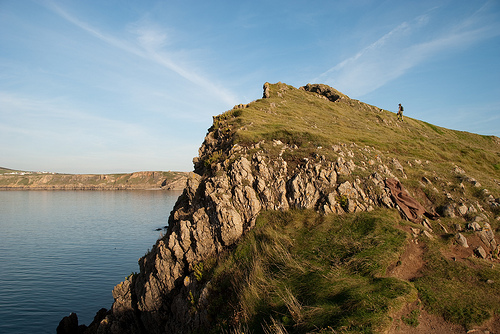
{"points": [[480, 252], [449, 210], [326, 91], [445, 230], [69, 325], [462, 209], [428, 235], [487, 236], [474, 226], [231, 185], [461, 240], [266, 93]]}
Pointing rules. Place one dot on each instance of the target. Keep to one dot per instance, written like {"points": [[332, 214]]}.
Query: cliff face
{"points": [[49, 181], [237, 178]]}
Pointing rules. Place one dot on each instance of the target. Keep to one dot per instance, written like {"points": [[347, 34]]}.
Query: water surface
{"points": [[64, 251]]}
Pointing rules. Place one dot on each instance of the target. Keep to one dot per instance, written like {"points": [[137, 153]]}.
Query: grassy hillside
{"points": [[12, 179], [370, 272], [314, 124]]}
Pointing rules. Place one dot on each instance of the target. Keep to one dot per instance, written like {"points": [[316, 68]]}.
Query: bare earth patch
{"points": [[410, 263], [408, 268]]}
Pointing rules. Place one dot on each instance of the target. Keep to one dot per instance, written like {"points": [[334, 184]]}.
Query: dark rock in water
{"points": [[158, 229], [69, 325], [98, 318]]}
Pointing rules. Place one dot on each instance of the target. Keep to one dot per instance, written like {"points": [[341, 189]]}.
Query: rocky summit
{"points": [[310, 211]]}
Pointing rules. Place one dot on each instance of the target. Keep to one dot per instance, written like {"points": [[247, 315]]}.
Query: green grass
{"points": [[303, 119], [311, 272], [459, 291], [412, 318], [304, 272]]}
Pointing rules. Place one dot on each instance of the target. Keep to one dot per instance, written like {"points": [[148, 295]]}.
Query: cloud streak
{"points": [[149, 45], [391, 56]]}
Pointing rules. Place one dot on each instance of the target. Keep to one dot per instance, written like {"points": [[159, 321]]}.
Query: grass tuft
{"points": [[300, 271]]}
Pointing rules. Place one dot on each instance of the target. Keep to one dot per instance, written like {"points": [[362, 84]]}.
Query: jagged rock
{"points": [[426, 180], [449, 210], [231, 185], [266, 93], [428, 235], [427, 225], [461, 240], [459, 170], [487, 236], [399, 167], [480, 252], [69, 325], [445, 230], [343, 167], [462, 209], [472, 210], [474, 226], [326, 91], [481, 218]]}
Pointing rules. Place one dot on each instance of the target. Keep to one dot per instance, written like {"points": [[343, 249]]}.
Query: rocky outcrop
{"points": [[216, 209], [326, 91], [52, 181], [231, 185]]}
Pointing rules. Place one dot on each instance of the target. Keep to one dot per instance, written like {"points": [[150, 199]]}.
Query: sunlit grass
{"points": [[307, 271]]}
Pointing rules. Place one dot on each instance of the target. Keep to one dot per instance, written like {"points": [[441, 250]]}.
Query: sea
{"points": [[64, 251]]}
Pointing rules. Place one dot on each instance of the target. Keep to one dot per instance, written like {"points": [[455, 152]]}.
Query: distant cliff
{"points": [[316, 149], [11, 180]]}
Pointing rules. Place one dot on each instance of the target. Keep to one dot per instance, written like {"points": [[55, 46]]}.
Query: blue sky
{"points": [[121, 86]]}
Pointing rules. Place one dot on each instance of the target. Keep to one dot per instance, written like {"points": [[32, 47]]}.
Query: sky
{"points": [[108, 86]]}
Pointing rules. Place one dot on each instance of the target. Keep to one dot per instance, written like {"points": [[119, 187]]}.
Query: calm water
{"points": [[64, 251]]}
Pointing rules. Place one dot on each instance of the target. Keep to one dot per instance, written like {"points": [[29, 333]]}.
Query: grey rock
{"points": [[462, 209], [449, 210], [480, 252], [461, 240], [428, 234], [474, 226], [487, 236], [266, 94]]}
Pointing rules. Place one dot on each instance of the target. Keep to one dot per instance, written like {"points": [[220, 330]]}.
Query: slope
{"points": [[291, 223]]}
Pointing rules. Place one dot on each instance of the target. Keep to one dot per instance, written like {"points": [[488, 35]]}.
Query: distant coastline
{"points": [[150, 180]]}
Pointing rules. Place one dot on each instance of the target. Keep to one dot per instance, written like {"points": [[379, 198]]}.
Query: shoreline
{"points": [[132, 181]]}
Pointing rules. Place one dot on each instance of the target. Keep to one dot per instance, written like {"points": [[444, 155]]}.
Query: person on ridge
{"points": [[400, 112]]}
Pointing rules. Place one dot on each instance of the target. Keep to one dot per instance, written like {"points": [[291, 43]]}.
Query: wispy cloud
{"points": [[391, 56], [149, 44]]}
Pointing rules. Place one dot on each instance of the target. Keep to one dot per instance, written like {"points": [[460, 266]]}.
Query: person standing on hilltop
{"points": [[400, 112]]}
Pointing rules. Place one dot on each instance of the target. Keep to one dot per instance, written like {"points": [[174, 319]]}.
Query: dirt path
{"points": [[411, 262], [409, 267]]}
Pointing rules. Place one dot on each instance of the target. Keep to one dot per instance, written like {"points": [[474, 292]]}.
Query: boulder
{"points": [[461, 240], [449, 210], [487, 236], [480, 252], [69, 325], [462, 209], [474, 226], [266, 93]]}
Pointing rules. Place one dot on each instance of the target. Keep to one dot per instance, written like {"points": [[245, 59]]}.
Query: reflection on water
{"points": [[64, 251]]}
